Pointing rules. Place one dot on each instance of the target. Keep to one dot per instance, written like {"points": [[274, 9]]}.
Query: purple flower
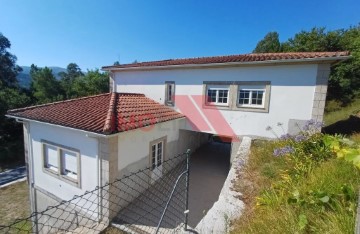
{"points": [[283, 151], [288, 149], [299, 138], [319, 124], [285, 136]]}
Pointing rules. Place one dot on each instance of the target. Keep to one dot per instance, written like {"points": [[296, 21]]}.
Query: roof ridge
{"points": [[53, 103], [109, 125]]}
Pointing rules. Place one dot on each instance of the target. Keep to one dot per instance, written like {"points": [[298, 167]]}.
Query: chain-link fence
{"points": [[151, 200]]}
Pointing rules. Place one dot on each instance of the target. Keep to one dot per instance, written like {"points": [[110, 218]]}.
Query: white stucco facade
{"points": [[291, 96], [88, 148]]}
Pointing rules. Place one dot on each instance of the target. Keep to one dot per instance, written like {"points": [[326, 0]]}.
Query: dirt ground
{"points": [[14, 200]]}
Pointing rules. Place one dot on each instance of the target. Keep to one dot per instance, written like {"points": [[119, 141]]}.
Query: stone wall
{"points": [[322, 77]]}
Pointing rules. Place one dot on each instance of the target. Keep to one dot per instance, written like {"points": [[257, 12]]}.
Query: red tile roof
{"points": [[260, 57], [105, 114]]}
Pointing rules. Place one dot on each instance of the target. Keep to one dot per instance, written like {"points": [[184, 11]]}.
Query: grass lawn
{"points": [[14, 202], [277, 204]]}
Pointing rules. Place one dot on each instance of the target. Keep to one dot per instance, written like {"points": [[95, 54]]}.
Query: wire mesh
{"points": [[134, 203]]}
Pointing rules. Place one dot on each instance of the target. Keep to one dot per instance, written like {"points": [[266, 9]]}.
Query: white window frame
{"points": [[251, 93], [155, 164], [60, 173], [169, 99], [217, 88], [252, 86]]}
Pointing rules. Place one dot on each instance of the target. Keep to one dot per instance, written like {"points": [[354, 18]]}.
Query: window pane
{"points": [[70, 166], [51, 157], [160, 153], [257, 96], [211, 95], [244, 97], [153, 155], [223, 95], [170, 92]]}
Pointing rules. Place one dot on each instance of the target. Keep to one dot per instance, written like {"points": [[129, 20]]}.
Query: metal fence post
{"points": [[187, 187]]}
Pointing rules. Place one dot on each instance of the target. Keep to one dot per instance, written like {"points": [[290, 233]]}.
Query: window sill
{"points": [[216, 106], [169, 104], [63, 178], [251, 109]]}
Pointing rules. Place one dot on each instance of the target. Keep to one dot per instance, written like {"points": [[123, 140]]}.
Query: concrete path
{"points": [[12, 175], [209, 167]]}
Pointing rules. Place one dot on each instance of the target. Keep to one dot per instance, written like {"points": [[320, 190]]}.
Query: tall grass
{"points": [[269, 210]]}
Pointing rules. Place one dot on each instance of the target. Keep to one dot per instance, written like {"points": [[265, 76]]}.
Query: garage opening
{"points": [[209, 167]]}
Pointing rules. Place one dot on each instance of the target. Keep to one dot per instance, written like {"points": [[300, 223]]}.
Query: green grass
{"points": [[264, 171], [14, 203], [342, 113]]}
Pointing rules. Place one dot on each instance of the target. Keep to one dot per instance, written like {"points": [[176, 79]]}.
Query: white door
{"points": [[157, 157]]}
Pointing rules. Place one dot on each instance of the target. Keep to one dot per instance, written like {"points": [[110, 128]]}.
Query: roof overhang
{"points": [[330, 60], [88, 133]]}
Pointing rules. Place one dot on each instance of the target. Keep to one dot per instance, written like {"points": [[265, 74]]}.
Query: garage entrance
{"points": [[209, 167]]}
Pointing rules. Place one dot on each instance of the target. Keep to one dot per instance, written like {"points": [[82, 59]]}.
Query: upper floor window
{"points": [[169, 93], [217, 95], [61, 161], [251, 96]]}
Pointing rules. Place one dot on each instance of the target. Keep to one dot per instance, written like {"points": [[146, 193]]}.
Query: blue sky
{"points": [[98, 33]]}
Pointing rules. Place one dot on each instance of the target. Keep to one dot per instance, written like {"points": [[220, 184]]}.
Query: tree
{"points": [[8, 67], [344, 80], [44, 85], [11, 96], [315, 40], [116, 63], [94, 82], [270, 44], [72, 73]]}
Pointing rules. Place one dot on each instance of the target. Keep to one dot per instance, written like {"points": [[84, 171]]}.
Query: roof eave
{"points": [[330, 60], [88, 133], [58, 125]]}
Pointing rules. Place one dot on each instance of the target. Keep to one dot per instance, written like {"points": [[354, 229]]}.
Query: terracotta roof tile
{"points": [[235, 58], [106, 113]]}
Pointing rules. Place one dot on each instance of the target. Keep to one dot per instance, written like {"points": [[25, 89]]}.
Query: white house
{"points": [[156, 110], [247, 93]]}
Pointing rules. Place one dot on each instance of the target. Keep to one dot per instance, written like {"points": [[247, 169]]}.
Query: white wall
{"points": [[134, 145], [292, 92], [88, 148]]}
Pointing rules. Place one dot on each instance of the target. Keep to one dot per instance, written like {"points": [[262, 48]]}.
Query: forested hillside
{"points": [[42, 85]]}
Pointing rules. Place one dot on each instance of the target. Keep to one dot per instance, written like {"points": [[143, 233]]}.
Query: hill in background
{"points": [[25, 79]]}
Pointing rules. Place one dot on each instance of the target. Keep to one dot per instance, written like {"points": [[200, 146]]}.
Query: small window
{"points": [[251, 96], [170, 93], [157, 155], [217, 95], [51, 158], [70, 165], [61, 161]]}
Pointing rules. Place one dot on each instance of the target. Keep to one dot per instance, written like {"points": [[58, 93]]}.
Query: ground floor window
{"points": [[157, 152], [61, 161]]}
